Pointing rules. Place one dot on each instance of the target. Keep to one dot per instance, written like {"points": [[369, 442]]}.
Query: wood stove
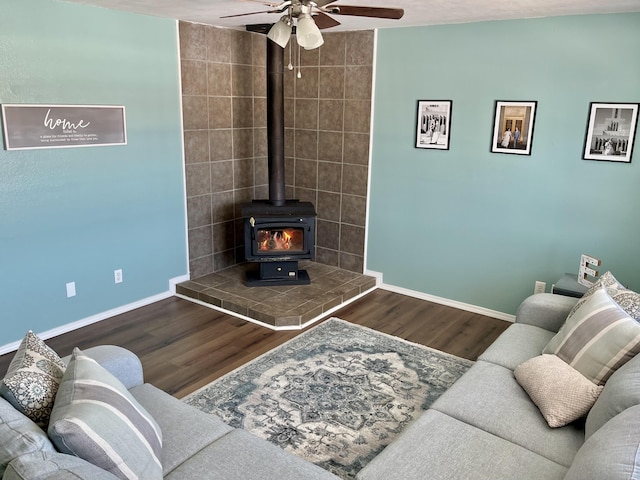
{"points": [[276, 237], [277, 232]]}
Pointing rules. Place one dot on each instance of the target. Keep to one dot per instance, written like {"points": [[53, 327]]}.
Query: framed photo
{"points": [[610, 132], [513, 127], [434, 124]]}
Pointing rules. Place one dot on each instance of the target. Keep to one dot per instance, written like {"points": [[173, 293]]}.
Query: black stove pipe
{"points": [[275, 122]]}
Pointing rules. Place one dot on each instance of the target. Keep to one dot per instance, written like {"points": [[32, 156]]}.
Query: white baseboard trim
{"points": [[98, 317], [176, 280], [442, 301], [273, 327], [377, 275], [233, 314], [338, 307]]}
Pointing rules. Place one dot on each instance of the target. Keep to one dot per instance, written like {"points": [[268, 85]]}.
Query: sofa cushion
{"points": [[621, 391], [545, 310], [439, 447], [19, 435], [597, 339], [562, 394], [516, 345], [488, 397], [54, 466], [119, 362], [611, 453], [32, 380], [185, 429], [239, 455], [95, 418], [628, 300]]}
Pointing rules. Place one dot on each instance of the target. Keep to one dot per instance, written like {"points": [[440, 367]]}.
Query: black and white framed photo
{"points": [[610, 132], [513, 127], [434, 124]]}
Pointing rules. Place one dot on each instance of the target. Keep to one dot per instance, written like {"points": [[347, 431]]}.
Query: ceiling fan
{"points": [[311, 16]]}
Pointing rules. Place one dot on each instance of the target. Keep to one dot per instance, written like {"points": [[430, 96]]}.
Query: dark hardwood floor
{"points": [[184, 346]]}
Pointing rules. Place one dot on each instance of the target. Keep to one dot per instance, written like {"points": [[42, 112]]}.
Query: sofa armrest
{"points": [[120, 362], [545, 310]]}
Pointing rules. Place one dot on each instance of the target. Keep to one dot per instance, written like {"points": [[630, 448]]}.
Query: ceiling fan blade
{"points": [[251, 13], [375, 12], [324, 21], [276, 8], [266, 4], [322, 3]]}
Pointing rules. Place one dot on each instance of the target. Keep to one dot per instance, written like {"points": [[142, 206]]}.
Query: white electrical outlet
{"points": [[71, 289], [117, 275], [540, 287]]}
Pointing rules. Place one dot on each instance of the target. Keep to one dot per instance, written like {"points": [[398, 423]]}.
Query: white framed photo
{"points": [[513, 127]]}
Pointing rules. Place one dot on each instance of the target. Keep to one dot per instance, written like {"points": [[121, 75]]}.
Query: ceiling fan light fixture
{"points": [[281, 31], [307, 33]]}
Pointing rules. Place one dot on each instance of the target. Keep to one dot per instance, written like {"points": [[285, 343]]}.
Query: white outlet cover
{"points": [[540, 287], [71, 289]]}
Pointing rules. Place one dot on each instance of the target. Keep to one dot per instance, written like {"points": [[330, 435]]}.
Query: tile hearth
{"points": [[278, 306]]}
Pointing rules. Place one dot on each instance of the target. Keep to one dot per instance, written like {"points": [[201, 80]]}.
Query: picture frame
{"points": [[610, 132], [433, 124], [513, 124], [43, 126]]}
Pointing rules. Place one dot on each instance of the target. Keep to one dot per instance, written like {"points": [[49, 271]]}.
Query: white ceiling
{"points": [[417, 12]]}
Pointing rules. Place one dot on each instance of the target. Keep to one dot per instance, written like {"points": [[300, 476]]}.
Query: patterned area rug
{"points": [[335, 395]]}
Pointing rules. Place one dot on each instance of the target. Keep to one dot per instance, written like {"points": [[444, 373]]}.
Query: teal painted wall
{"points": [[489, 225], [78, 214]]}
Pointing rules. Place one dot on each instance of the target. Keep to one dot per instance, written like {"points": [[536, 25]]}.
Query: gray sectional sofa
{"points": [[485, 427], [195, 445]]}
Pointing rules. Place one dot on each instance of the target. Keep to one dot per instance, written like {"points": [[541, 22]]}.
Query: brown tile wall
{"points": [[225, 135], [327, 119]]}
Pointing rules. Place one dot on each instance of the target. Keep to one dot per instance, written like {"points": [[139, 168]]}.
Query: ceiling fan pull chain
{"points": [[290, 66], [299, 72]]}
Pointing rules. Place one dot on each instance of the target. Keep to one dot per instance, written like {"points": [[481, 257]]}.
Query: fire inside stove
{"points": [[280, 240]]}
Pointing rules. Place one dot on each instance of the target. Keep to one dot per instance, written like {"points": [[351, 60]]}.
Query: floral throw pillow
{"points": [[628, 300], [32, 380]]}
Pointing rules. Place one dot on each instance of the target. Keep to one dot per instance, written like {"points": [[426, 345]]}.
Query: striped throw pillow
{"points": [[95, 418], [598, 338]]}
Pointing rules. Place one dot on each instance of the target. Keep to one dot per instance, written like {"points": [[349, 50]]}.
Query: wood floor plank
{"points": [[184, 346]]}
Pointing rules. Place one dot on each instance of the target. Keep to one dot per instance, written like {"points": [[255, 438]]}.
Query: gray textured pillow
{"points": [[32, 379], [54, 466], [598, 338], [96, 418], [561, 393], [612, 452], [628, 300], [19, 435]]}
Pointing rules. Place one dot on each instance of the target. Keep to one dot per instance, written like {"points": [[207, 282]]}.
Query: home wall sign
{"points": [[28, 126]]}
